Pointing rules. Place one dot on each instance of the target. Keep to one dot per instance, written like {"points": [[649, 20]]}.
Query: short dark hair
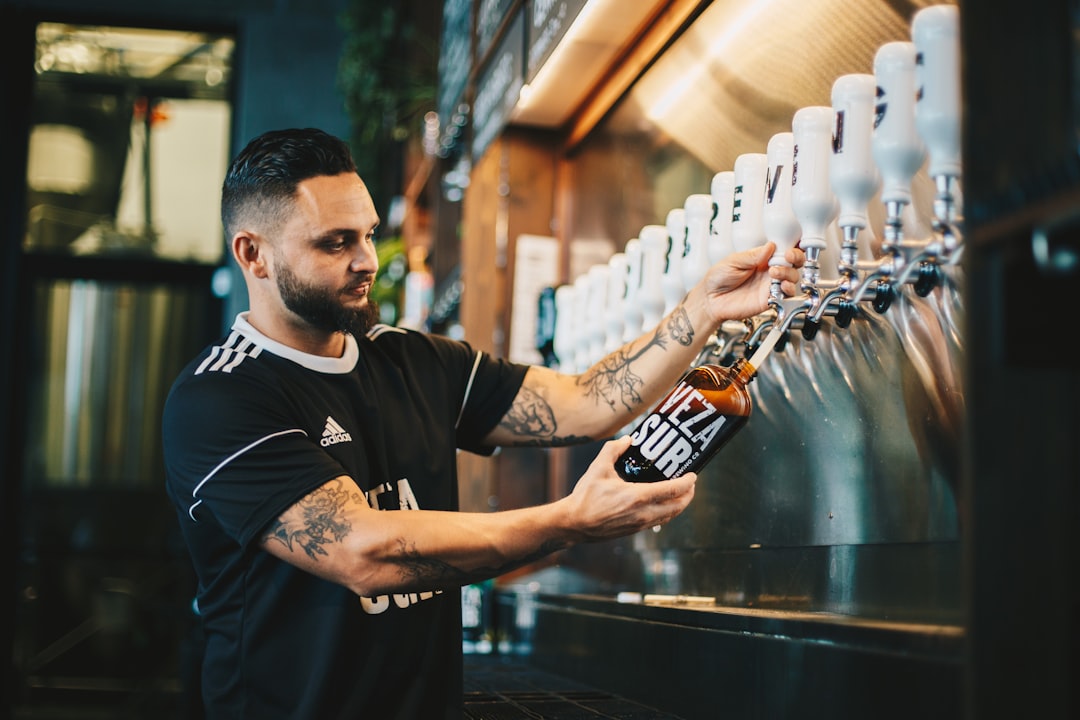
{"points": [[264, 175]]}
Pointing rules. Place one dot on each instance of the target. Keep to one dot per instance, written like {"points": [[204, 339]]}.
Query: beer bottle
{"points": [[697, 417]]}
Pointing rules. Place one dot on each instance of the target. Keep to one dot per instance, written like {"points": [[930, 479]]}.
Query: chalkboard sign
{"points": [[489, 17], [548, 22], [455, 57], [498, 86]]}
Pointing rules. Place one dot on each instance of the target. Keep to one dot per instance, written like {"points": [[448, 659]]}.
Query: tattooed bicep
{"points": [[530, 415], [316, 521], [531, 421]]}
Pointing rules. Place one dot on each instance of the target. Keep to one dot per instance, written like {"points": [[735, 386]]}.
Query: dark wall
{"points": [[1023, 484], [285, 65], [284, 74]]}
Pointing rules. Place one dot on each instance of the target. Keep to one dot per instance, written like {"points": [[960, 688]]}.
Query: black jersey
{"points": [[249, 428]]}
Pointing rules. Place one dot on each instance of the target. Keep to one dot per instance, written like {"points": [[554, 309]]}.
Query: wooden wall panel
{"points": [[511, 192]]}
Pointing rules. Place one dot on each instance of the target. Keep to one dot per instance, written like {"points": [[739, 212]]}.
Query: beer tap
{"points": [[813, 203], [748, 201], [654, 240], [672, 279], [918, 116], [782, 228], [596, 317], [854, 180], [899, 154], [633, 319], [614, 310], [935, 32], [722, 191], [699, 214], [582, 332], [778, 220], [747, 220]]}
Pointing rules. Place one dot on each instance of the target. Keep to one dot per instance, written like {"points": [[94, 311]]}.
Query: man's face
{"points": [[325, 262], [323, 308]]}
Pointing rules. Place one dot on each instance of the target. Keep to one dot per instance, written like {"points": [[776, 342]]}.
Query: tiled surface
{"points": [[500, 688]]}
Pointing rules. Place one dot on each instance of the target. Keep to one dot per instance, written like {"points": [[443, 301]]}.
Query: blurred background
{"points": [[896, 533]]}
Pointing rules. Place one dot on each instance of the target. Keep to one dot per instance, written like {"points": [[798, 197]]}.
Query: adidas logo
{"points": [[334, 433]]}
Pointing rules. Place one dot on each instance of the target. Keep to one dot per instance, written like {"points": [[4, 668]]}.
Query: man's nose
{"points": [[365, 259]]}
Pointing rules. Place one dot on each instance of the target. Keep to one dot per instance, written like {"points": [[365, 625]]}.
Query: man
{"points": [[288, 441]]}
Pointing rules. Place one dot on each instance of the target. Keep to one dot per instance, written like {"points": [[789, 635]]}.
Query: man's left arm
{"points": [[554, 408]]}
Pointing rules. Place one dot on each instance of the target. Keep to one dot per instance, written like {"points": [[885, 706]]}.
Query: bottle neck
{"points": [[744, 369]]}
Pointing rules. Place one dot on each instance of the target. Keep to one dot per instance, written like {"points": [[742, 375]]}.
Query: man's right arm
{"points": [[333, 533]]}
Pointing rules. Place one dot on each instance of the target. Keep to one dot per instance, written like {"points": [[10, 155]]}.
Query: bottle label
{"points": [[678, 432]]}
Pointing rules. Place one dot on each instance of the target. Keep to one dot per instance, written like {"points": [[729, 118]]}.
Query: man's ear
{"points": [[250, 252]]}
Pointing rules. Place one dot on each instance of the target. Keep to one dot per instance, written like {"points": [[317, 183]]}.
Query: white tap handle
{"points": [[651, 296], [748, 204], [633, 319], [779, 221], [672, 282], [597, 320], [853, 174], [614, 310], [699, 213], [564, 343], [722, 191], [582, 331], [812, 198], [936, 33], [898, 150]]}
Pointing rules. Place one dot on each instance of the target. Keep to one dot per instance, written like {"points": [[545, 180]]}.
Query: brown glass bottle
{"points": [[701, 413]]}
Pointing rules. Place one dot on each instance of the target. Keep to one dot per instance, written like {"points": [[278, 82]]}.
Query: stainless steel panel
{"points": [[841, 493]]}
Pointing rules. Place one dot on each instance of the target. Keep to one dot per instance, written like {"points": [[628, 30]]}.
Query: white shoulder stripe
{"points": [[247, 349], [468, 388], [226, 461], [209, 359], [229, 355], [381, 328]]}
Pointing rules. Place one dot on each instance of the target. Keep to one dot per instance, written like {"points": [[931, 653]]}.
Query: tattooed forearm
{"points": [[612, 382], [681, 329], [420, 571], [323, 522]]}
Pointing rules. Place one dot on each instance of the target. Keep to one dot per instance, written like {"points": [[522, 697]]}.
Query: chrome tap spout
{"points": [[788, 309], [833, 302], [760, 325], [721, 347], [925, 259]]}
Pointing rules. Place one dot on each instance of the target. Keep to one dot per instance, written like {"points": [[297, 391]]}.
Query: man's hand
{"points": [[603, 506], [737, 287]]}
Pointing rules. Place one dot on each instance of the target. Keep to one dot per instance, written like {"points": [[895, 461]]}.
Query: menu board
{"points": [[498, 86], [455, 57], [548, 22], [489, 17]]}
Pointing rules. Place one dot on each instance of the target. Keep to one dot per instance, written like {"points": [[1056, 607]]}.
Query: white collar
{"points": [[318, 363]]}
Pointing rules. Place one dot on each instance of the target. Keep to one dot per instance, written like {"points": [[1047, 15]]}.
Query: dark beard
{"points": [[321, 308]]}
